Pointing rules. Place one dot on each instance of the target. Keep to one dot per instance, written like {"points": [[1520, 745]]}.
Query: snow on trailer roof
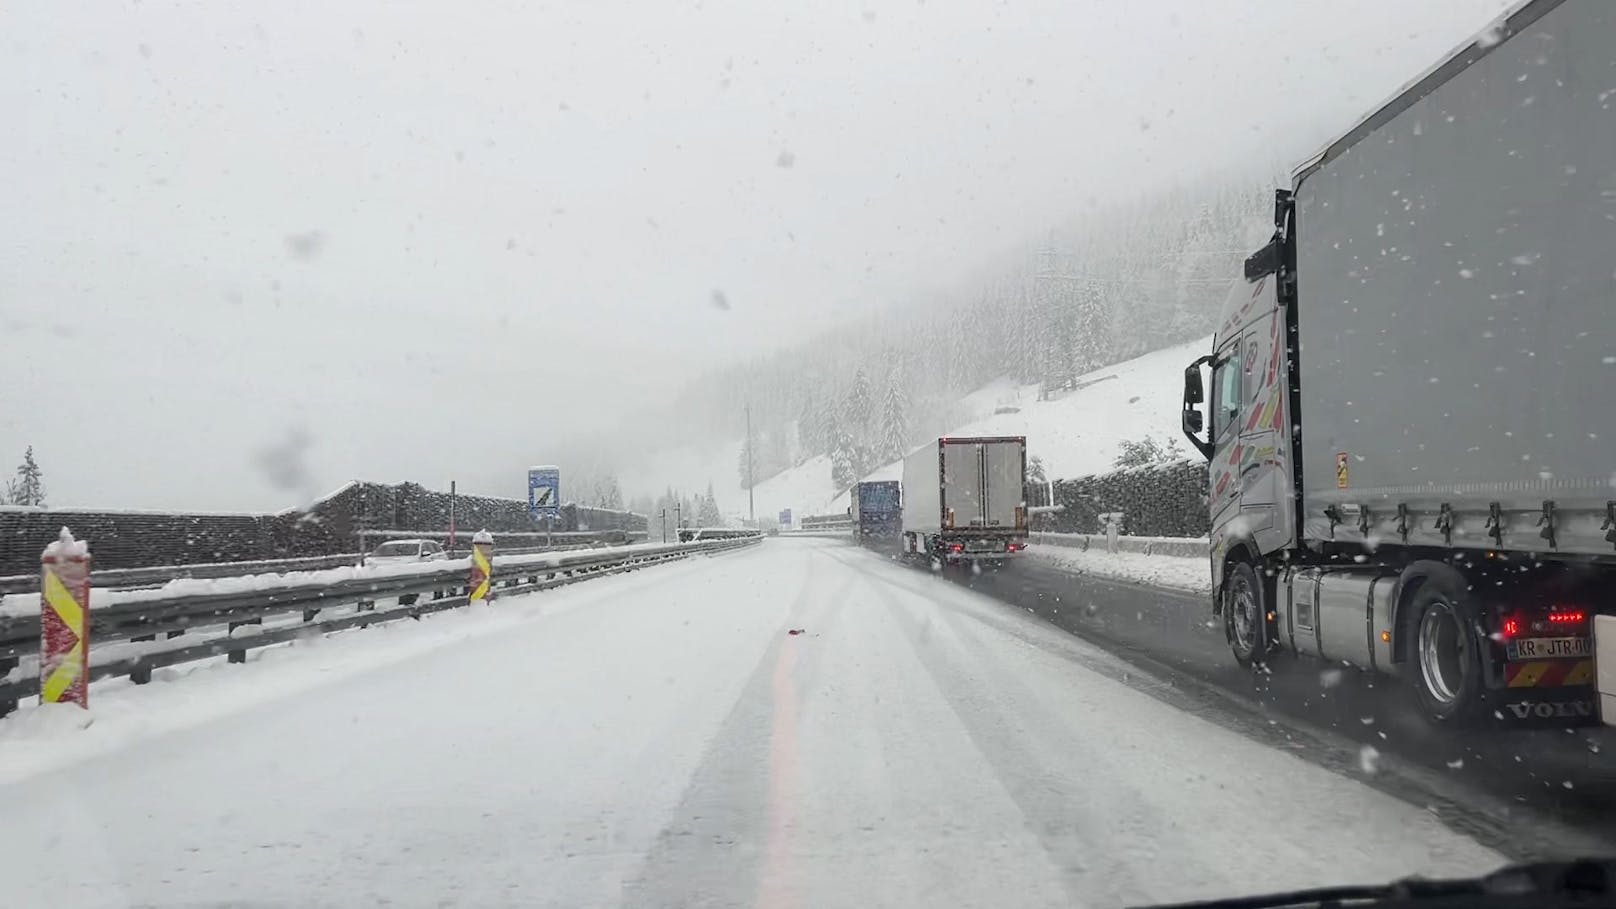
{"points": [[1505, 26]]}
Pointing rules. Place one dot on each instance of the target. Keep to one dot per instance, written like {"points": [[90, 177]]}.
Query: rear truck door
{"points": [[1004, 467], [962, 485]]}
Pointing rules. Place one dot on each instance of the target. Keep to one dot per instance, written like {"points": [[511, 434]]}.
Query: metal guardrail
{"points": [[158, 575], [147, 619], [689, 534], [826, 522]]}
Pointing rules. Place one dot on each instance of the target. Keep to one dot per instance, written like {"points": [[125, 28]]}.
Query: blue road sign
{"points": [[785, 517], [544, 492]]}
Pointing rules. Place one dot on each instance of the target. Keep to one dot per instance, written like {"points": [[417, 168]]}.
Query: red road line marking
{"points": [[777, 885]]}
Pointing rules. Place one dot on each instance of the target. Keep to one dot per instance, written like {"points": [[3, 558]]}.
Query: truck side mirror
{"points": [[1194, 393]]}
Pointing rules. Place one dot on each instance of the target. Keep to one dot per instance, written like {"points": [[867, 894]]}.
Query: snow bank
{"points": [[39, 739], [1156, 570]]}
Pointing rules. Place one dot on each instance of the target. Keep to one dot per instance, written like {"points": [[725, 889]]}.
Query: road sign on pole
{"points": [[785, 517], [544, 492]]}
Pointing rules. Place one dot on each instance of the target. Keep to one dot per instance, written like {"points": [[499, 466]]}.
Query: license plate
{"points": [[1549, 648]]}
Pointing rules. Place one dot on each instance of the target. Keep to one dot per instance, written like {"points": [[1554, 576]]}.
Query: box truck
{"points": [[875, 507], [964, 499]]}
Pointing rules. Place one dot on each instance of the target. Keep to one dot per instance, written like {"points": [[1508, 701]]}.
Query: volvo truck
{"points": [[1410, 426]]}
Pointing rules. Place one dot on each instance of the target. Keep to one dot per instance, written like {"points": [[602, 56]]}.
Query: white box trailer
{"points": [[964, 498]]}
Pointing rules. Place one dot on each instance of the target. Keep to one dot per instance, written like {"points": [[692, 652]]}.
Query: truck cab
{"points": [[1248, 442]]}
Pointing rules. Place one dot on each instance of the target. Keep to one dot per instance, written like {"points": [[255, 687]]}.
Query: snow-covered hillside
{"points": [[1075, 434]]}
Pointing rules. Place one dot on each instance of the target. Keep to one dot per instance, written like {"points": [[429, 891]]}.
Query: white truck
{"points": [[964, 499], [1412, 437]]}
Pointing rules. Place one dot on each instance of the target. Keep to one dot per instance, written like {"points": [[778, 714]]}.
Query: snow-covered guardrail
{"points": [[689, 534], [842, 533], [1187, 547], [158, 575], [133, 632]]}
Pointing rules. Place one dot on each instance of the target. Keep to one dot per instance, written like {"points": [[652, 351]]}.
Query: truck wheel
{"points": [[1447, 666], [1245, 615]]}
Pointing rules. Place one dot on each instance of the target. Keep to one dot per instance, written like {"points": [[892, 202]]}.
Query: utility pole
{"points": [[664, 519], [751, 511], [451, 518]]}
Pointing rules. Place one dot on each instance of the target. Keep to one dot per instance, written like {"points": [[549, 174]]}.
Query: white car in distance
{"points": [[400, 552]]}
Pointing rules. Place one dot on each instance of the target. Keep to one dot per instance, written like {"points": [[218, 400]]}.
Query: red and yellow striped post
{"points": [[482, 566], [64, 622]]}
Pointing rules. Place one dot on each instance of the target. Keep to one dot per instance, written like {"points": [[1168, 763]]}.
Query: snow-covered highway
{"points": [[662, 739]]}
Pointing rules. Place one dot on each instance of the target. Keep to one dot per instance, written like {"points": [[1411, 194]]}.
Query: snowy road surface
{"points": [[660, 739]]}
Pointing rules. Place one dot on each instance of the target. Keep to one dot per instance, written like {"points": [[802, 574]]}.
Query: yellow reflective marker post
{"points": [[482, 566], [64, 622]]}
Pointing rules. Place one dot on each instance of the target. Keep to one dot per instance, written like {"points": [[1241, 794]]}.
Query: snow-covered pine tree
{"points": [[893, 439], [857, 407], [1091, 331], [844, 469], [29, 486], [707, 512]]}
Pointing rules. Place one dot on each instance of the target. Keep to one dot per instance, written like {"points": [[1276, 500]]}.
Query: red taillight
{"points": [[1016, 547], [1567, 618], [1512, 627], [957, 547]]}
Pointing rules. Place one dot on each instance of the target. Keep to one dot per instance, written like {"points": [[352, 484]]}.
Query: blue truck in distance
{"points": [[876, 508]]}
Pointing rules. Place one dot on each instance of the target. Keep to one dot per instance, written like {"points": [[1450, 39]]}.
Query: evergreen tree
{"points": [[856, 409], [29, 486], [609, 494], [810, 429], [843, 468], [774, 452], [1035, 470], [1091, 333], [893, 441], [708, 514]]}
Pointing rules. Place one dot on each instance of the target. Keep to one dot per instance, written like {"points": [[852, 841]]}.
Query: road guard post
{"points": [[482, 566], [64, 622], [1113, 527]]}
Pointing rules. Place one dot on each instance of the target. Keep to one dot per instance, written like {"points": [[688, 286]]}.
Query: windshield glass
{"points": [[732, 453]]}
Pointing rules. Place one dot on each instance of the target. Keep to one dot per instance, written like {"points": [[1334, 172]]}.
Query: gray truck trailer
{"points": [[1411, 427]]}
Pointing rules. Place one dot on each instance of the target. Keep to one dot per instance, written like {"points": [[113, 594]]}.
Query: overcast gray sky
{"points": [[253, 250]]}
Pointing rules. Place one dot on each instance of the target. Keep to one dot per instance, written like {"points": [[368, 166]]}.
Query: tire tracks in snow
{"points": [[1518, 834], [730, 840]]}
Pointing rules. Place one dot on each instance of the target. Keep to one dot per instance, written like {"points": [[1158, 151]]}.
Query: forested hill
{"points": [[1103, 288], [1106, 289]]}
